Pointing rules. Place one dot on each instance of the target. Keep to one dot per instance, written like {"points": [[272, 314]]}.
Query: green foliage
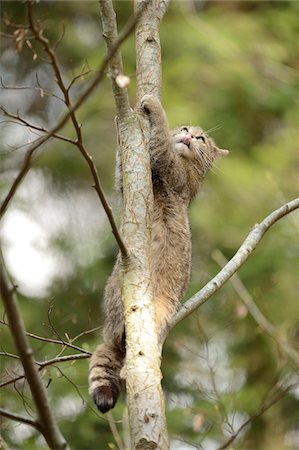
{"points": [[231, 67]]}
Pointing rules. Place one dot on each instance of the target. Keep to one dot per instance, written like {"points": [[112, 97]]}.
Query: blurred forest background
{"points": [[229, 66]]}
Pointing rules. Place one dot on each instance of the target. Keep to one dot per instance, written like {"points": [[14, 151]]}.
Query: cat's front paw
{"points": [[149, 103]]}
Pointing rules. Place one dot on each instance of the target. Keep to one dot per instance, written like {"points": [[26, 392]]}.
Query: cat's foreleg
{"points": [[151, 105]]}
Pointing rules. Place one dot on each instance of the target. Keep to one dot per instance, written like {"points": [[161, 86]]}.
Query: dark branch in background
{"points": [[279, 396], [46, 420], [90, 88], [21, 121], [59, 341], [38, 88], [248, 246], [38, 33], [41, 365], [22, 419], [49, 362], [258, 316]]}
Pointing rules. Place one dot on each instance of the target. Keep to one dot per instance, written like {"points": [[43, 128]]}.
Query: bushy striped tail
{"points": [[104, 376]]}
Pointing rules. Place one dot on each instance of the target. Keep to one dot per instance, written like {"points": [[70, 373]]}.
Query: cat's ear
{"points": [[220, 152]]}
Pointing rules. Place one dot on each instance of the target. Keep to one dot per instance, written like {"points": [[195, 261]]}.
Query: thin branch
{"points": [[79, 142], [54, 341], [18, 119], [114, 431], [12, 381], [22, 419], [84, 333], [60, 124], [60, 359], [9, 355], [41, 90], [43, 364], [258, 316], [248, 246], [280, 395], [49, 427]]}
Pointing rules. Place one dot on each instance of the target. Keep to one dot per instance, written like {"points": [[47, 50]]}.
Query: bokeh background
{"points": [[232, 68]]}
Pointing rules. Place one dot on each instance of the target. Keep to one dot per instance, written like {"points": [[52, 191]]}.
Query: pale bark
{"points": [[143, 377], [148, 50], [256, 313], [248, 246]]}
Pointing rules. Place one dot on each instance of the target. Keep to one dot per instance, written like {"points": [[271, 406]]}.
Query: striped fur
{"points": [[179, 162]]}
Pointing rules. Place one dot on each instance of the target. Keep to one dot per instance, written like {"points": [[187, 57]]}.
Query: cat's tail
{"points": [[104, 376]]}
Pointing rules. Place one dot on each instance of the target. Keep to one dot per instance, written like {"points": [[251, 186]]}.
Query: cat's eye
{"points": [[201, 138], [185, 129]]}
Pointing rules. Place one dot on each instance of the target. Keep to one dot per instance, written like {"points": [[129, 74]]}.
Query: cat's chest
{"points": [[170, 231]]}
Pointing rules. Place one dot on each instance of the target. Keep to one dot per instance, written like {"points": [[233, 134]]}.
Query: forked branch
{"points": [[248, 246], [26, 165], [256, 313]]}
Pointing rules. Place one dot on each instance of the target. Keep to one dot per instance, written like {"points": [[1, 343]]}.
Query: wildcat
{"points": [[179, 161]]}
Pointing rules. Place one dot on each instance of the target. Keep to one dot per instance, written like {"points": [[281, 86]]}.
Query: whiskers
{"points": [[205, 159], [215, 128], [216, 170], [207, 162]]}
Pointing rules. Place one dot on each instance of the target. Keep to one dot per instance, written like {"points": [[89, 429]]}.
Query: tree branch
{"points": [[22, 419], [248, 246], [18, 119], [43, 364], [49, 427], [38, 33], [280, 395], [148, 48], [143, 377], [60, 124], [258, 316], [109, 25], [57, 341]]}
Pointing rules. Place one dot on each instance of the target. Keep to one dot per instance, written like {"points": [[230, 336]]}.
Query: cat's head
{"points": [[194, 144]]}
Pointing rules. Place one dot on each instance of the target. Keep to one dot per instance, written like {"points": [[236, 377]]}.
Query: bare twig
{"points": [[55, 341], [255, 311], [22, 419], [279, 396], [85, 94], [43, 364], [18, 119], [114, 431], [79, 141], [59, 359], [12, 380], [46, 419], [9, 355], [38, 88], [248, 246]]}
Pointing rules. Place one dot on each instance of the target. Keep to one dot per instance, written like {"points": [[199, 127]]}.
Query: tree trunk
{"points": [[143, 376]]}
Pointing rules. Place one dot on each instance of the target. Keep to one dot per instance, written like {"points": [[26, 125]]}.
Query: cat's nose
{"points": [[186, 139]]}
